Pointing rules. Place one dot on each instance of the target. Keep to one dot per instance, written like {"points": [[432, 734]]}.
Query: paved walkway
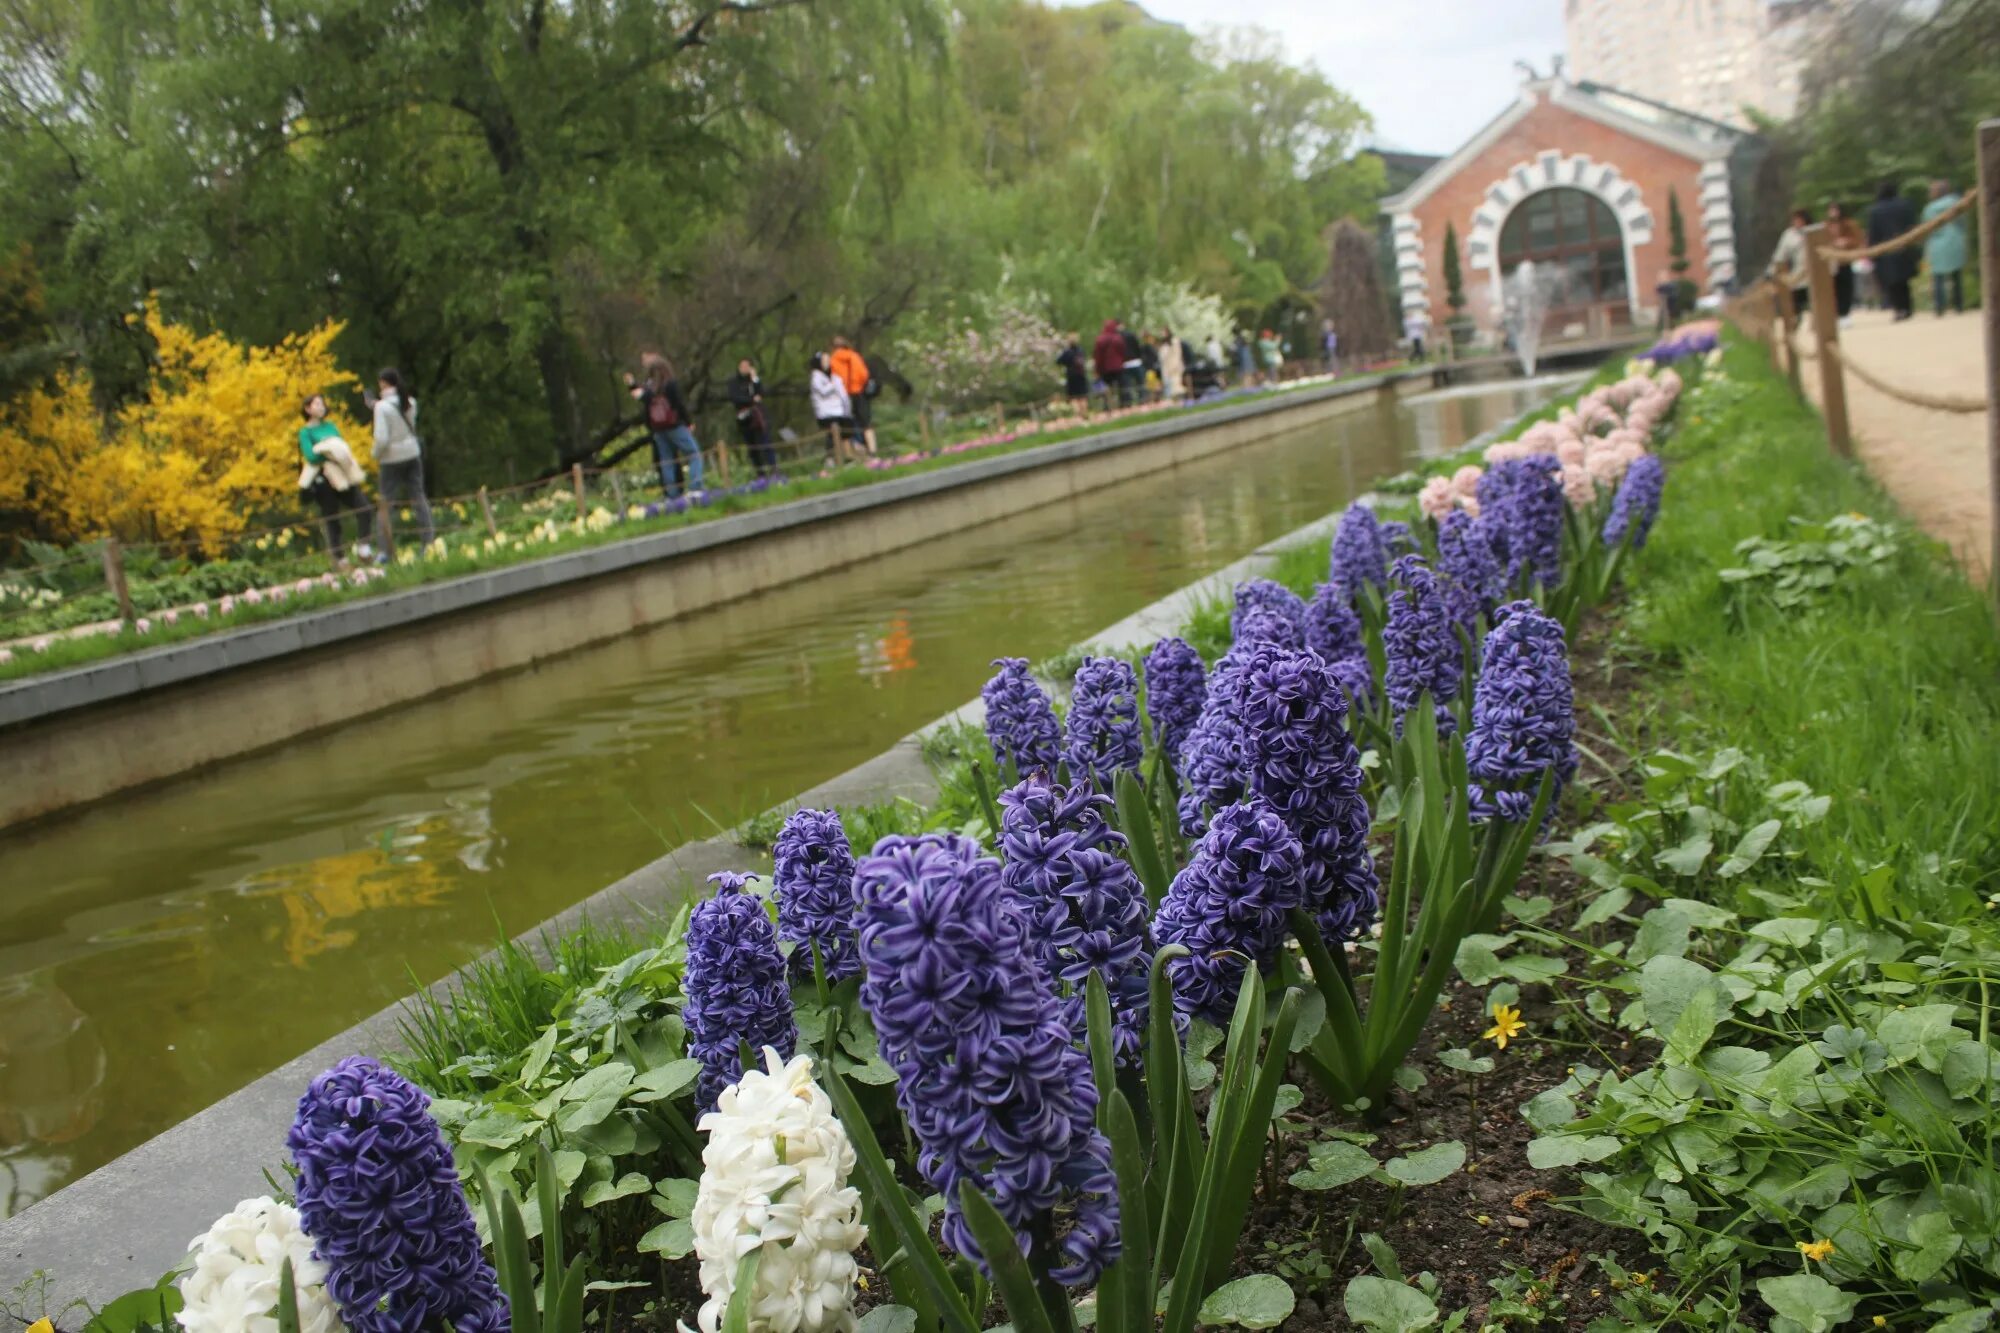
{"points": [[1932, 462]]}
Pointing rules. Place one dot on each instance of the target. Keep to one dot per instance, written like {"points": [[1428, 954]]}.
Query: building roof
{"points": [[1678, 131]]}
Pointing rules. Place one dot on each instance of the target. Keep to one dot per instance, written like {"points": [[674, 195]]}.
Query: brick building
{"points": [[1574, 177]]}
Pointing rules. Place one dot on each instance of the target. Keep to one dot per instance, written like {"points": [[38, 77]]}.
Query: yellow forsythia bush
{"points": [[209, 449]]}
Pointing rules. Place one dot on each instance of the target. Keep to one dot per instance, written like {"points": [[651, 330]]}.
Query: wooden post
{"points": [[1989, 312], [1000, 416], [722, 458], [838, 456], [1826, 338], [114, 577], [924, 424], [486, 509], [617, 492], [385, 525], [576, 479]]}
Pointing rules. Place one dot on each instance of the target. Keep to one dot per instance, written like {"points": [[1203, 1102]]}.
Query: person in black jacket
{"points": [[1076, 370], [1135, 367], [1889, 217], [746, 394]]}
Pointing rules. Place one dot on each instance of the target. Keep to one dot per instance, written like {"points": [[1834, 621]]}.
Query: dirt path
{"points": [[1932, 462]]}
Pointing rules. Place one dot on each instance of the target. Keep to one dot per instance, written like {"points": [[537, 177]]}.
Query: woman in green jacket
{"points": [[317, 486]]}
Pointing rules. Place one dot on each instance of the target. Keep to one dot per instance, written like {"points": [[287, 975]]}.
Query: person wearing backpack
{"points": [[852, 371], [399, 453], [666, 414]]}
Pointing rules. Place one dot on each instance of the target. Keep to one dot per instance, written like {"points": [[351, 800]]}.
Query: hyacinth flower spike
{"points": [[736, 996]]}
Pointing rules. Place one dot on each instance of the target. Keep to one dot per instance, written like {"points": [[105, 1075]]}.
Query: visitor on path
{"points": [[1211, 352], [852, 372], [1271, 354], [1173, 367], [667, 418], [1889, 217], [1944, 249], [331, 481], [1329, 346], [753, 424], [1246, 359], [1845, 234], [1668, 289], [1076, 372], [832, 408], [1108, 354], [1788, 261], [1416, 327], [1134, 365], [399, 453]]}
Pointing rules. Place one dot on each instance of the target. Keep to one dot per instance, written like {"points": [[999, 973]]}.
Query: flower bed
{"points": [[1455, 969]]}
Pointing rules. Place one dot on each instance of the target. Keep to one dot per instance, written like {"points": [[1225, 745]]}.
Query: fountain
{"points": [[1525, 297]]}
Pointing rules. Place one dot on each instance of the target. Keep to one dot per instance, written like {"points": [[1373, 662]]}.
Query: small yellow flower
{"points": [[1816, 1249], [1507, 1025], [42, 1326], [1880, 1322]]}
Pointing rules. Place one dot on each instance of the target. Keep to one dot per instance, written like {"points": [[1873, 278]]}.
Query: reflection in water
{"points": [[162, 950]]}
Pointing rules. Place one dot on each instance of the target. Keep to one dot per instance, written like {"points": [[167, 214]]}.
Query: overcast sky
{"points": [[1430, 71]]}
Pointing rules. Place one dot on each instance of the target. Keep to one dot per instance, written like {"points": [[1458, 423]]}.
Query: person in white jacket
{"points": [[1173, 367], [399, 454], [831, 407]]}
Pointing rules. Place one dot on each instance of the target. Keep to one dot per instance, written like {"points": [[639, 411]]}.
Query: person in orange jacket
{"points": [[852, 371]]}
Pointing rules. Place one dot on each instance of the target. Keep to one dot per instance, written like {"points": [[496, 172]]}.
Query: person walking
{"points": [[1108, 354], [1845, 234], [1416, 324], [851, 370], [753, 425], [1889, 217], [1788, 261], [1173, 367], [1329, 346], [1076, 372], [399, 453], [832, 408], [1271, 354], [1944, 249], [332, 482], [1134, 364], [667, 418]]}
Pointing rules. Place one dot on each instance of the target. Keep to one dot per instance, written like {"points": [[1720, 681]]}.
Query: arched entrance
{"points": [[1574, 235]]}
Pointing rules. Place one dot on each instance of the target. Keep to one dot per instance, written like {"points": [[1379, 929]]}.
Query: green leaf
{"points": [[1289, 1099], [1969, 1069], [672, 1239], [1808, 1300], [1258, 1301], [607, 1080], [669, 1080], [1667, 985], [153, 1306], [1333, 1165], [888, 1319], [1428, 1166], [1696, 1024], [1011, 1278], [498, 1129], [736, 1317], [582, 1115], [675, 1196], [1558, 1150], [1923, 1034], [604, 1191], [875, 1072], [537, 1058], [1689, 857], [1391, 1307], [1936, 1241], [1750, 849], [1464, 1061], [1605, 906]]}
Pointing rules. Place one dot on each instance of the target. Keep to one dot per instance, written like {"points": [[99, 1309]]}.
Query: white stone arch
{"points": [[1550, 170]]}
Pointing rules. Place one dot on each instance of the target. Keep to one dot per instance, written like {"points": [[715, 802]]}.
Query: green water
{"points": [[160, 951]]}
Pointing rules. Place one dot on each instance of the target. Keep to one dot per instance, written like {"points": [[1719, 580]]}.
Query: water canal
{"points": [[161, 950]]}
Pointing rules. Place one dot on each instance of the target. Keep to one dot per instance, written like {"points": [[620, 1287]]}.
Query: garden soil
{"points": [[1932, 462]]}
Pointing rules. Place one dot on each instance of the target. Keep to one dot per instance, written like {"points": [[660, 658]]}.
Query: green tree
{"points": [[1454, 276], [1677, 238]]}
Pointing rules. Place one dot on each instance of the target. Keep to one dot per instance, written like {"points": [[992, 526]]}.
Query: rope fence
{"points": [[1909, 238]]}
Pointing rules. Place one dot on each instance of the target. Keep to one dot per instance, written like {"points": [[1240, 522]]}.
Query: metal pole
{"points": [[1989, 312], [1826, 336]]}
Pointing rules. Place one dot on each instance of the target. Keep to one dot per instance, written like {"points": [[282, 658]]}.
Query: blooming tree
{"points": [[1002, 349]]}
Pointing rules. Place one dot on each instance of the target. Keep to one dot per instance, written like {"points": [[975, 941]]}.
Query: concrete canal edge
{"points": [[77, 736], [129, 1221]]}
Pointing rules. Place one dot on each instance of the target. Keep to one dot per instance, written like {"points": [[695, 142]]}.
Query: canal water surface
{"points": [[161, 950]]}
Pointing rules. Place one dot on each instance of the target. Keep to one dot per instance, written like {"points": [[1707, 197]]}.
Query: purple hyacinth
{"points": [[1176, 683], [1305, 765], [1087, 908], [1397, 539], [1637, 502], [1525, 499], [1020, 719], [1356, 676], [1359, 553], [1263, 625], [1420, 645], [813, 880], [1227, 906], [1474, 582], [990, 1079], [379, 1195], [1104, 721], [734, 985], [1268, 596], [1332, 629], [1523, 715], [1213, 768]]}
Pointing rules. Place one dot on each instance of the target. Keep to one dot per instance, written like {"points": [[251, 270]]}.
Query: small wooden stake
{"points": [[486, 508], [1989, 302], [114, 575], [618, 493], [924, 425], [576, 478], [385, 526], [1826, 337]]}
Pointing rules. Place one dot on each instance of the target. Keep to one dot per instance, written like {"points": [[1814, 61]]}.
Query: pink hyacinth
{"points": [[143, 625], [227, 606], [6, 656], [1606, 464], [200, 610], [303, 585], [1578, 488], [1569, 451], [40, 645], [1465, 481], [1436, 498], [171, 616], [329, 580], [277, 592], [252, 596], [1510, 449]]}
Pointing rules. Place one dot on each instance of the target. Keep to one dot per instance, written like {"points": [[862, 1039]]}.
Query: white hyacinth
{"points": [[774, 1177], [233, 1287]]}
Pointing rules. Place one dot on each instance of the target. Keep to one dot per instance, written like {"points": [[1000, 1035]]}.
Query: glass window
{"points": [[1575, 234]]}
